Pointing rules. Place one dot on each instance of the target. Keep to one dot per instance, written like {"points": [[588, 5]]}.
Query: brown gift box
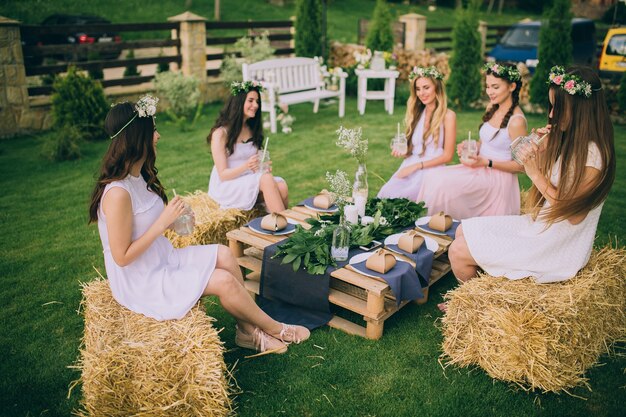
{"points": [[380, 261], [440, 221], [274, 222], [323, 200], [410, 241]]}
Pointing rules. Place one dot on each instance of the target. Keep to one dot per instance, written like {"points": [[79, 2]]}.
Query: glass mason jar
{"points": [[185, 223], [399, 144], [520, 141], [378, 62], [341, 241], [264, 159], [360, 189]]}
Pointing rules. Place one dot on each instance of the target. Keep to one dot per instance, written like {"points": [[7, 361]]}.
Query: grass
{"points": [[47, 249]]}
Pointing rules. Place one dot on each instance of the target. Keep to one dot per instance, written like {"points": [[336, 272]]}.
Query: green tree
{"points": [[131, 69], [308, 28], [555, 47], [379, 35], [621, 95], [464, 84]]}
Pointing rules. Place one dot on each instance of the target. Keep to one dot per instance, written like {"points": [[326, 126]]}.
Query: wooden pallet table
{"points": [[369, 297]]}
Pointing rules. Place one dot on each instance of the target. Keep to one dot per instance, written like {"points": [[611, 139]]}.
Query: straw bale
{"points": [[539, 336], [212, 223], [133, 365]]}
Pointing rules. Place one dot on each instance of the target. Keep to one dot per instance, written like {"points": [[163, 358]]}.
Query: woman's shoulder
{"points": [[220, 134], [450, 114], [517, 119]]}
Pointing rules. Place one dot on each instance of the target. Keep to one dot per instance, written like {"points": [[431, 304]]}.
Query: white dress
{"points": [[408, 187], [241, 192], [517, 247], [163, 282]]}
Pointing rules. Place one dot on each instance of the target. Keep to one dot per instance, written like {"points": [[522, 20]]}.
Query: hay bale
{"points": [[212, 223], [539, 336], [133, 365]]}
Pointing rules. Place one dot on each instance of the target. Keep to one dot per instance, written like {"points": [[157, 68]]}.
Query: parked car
{"points": [[613, 57], [521, 41], [86, 36]]}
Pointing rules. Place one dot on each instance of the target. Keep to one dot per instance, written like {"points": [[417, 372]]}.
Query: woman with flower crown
{"points": [[572, 172], [485, 185], [146, 273], [432, 129], [235, 139]]}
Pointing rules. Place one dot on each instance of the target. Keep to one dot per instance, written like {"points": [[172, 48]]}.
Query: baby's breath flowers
{"points": [[352, 141], [339, 187]]}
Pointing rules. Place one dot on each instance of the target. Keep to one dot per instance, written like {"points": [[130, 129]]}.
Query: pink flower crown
{"points": [[428, 72], [237, 87], [503, 71], [572, 84]]}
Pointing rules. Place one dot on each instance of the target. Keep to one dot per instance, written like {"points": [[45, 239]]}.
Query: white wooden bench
{"points": [[293, 81]]}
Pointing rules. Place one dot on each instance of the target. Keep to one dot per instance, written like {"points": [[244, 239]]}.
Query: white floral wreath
{"points": [[237, 87], [145, 107], [571, 83], [429, 72]]}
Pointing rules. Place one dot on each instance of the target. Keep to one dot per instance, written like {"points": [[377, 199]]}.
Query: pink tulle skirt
{"points": [[464, 192]]}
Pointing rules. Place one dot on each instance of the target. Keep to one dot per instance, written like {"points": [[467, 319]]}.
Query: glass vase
{"points": [[360, 189], [378, 62], [341, 241]]}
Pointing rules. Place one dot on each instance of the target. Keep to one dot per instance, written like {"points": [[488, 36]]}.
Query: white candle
{"points": [[351, 213], [359, 202]]}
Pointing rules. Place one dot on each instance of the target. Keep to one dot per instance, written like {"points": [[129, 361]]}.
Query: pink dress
{"points": [[163, 282], [408, 187], [464, 192]]}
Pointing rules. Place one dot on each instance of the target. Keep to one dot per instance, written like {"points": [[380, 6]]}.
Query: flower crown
{"points": [[429, 72], [503, 71], [145, 107], [237, 87], [572, 84]]}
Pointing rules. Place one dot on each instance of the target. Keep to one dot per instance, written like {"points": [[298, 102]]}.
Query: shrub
{"points": [[464, 84], [308, 28], [621, 95], [380, 36], [555, 48], [131, 69], [79, 101], [252, 50], [611, 14], [96, 73], [63, 144], [163, 66], [183, 96]]}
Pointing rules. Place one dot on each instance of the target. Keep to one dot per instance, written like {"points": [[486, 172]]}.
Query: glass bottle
{"points": [[378, 62], [341, 241], [360, 189]]}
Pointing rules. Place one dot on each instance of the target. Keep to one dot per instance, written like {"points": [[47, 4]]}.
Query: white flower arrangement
{"points": [[146, 106], [363, 60], [352, 141], [286, 120], [340, 188]]}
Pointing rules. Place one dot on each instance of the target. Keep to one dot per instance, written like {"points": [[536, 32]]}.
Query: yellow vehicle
{"points": [[613, 57]]}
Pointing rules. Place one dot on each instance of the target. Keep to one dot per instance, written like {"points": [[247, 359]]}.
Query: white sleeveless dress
{"points": [[241, 192], [163, 282], [517, 247], [408, 187]]}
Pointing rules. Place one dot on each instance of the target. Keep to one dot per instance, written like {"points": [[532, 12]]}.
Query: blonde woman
{"points": [[431, 127]]}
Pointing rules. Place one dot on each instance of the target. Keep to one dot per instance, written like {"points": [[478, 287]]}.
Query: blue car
{"points": [[520, 43]]}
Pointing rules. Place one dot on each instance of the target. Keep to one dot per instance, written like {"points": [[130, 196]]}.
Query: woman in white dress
{"points": [[571, 171], [146, 273], [431, 129], [235, 139]]}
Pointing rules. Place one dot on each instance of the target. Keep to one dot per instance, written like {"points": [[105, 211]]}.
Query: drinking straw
{"points": [[267, 140], [174, 191], [398, 135]]}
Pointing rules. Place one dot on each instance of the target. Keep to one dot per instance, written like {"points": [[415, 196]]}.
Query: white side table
{"points": [[387, 94]]}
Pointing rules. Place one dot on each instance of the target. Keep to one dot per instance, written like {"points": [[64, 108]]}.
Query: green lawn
{"points": [[47, 249]]}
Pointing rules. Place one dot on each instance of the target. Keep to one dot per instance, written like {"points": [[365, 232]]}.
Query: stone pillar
{"points": [[192, 35], [482, 30], [414, 31], [292, 32], [13, 91]]}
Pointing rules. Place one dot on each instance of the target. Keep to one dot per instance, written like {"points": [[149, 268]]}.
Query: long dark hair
{"points": [[576, 121], [133, 143], [231, 118], [514, 98]]}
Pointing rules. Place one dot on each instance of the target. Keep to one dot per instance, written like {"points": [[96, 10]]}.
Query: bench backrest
{"points": [[289, 74]]}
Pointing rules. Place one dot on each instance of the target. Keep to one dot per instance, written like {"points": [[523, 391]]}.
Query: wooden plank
{"points": [[254, 252], [79, 49], [358, 280], [251, 263], [101, 27], [347, 326], [254, 276], [252, 286], [244, 236], [117, 63], [250, 25]]}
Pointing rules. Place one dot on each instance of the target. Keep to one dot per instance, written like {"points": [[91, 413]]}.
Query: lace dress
{"points": [[408, 187], [163, 282], [517, 247]]}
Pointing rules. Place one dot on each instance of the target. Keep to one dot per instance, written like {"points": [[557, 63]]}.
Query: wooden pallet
{"points": [[369, 297]]}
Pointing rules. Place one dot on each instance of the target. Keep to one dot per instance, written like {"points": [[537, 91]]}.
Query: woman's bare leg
{"points": [[463, 264], [271, 194], [284, 192]]}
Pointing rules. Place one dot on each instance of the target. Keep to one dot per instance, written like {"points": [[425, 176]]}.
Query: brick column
{"points": [[482, 30], [192, 35], [13, 91], [414, 31]]}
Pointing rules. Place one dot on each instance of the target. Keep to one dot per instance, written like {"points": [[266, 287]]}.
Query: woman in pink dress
{"points": [[431, 129], [235, 138], [484, 185], [146, 273]]}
